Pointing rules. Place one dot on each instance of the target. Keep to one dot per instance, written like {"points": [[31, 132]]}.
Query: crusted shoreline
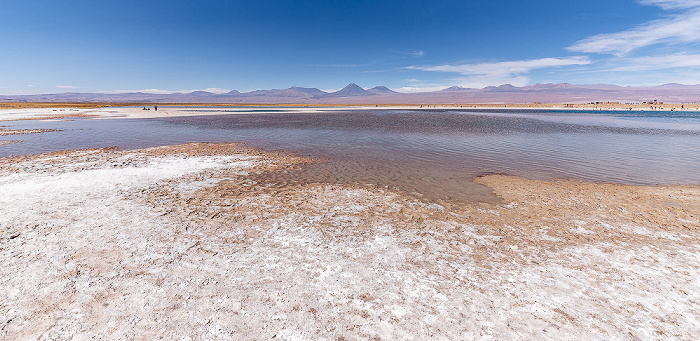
{"points": [[180, 241]]}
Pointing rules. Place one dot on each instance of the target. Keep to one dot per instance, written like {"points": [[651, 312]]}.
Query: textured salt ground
{"points": [[179, 242]]}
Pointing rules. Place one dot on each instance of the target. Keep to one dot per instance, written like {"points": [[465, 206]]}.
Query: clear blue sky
{"points": [[53, 46]]}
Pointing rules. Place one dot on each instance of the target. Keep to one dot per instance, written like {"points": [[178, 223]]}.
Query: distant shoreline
{"points": [[135, 110]]}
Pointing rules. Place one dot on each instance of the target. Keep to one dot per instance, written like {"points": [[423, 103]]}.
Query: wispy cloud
{"points": [[672, 4], [215, 90], [167, 92], [68, 87], [418, 54], [650, 63], [344, 65], [678, 28], [513, 72], [427, 88], [331, 90], [681, 68], [505, 68]]}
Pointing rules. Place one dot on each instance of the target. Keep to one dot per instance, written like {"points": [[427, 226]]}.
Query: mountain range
{"points": [[354, 94]]}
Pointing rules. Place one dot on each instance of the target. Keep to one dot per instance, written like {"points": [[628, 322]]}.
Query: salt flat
{"points": [[180, 242]]}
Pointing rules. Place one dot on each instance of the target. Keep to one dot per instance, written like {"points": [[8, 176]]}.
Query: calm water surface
{"points": [[429, 154]]}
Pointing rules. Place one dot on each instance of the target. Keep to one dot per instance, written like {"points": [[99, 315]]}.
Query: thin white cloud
{"points": [[513, 72], [215, 90], [343, 65], [167, 92], [68, 87], [683, 68], [418, 54], [147, 91], [651, 63], [504, 68], [679, 28], [413, 89], [633, 78], [330, 90], [672, 4], [475, 82], [491, 80]]}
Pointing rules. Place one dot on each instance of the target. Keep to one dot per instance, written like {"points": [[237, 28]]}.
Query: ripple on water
{"points": [[433, 155]]}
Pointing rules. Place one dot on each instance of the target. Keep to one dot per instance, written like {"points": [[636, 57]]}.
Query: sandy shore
{"points": [[179, 242]]}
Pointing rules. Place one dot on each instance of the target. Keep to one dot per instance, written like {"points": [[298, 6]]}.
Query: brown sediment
{"points": [[666, 207], [49, 105], [55, 117], [11, 163], [223, 252], [574, 213], [97, 157], [52, 117], [9, 142], [8, 132], [537, 215]]}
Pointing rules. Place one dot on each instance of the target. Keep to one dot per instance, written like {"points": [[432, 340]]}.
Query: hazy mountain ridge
{"points": [[350, 90], [354, 94]]}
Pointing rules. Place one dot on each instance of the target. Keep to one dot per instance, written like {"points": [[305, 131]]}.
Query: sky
{"points": [[111, 46]]}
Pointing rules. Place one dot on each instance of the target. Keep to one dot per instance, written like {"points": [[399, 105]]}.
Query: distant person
{"points": [[155, 107]]}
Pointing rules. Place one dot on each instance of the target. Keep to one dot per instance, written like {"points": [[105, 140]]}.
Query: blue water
{"points": [[430, 154]]}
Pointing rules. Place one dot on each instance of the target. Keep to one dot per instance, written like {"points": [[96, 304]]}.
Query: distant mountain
{"points": [[540, 86], [672, 85], [380, 90], [294, 91], [504, 87], [200, 94], [310, 91], [350, 90], [455, 88], [354, 94]]}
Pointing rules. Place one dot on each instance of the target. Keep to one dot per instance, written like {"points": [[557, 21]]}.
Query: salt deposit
{"points": [[178, 242]]}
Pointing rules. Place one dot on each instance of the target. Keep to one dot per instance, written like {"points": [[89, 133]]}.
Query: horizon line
{"points": [[219, 91]]}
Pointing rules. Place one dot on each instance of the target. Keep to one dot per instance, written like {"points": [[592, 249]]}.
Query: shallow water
{"points": [[429, 154]]}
